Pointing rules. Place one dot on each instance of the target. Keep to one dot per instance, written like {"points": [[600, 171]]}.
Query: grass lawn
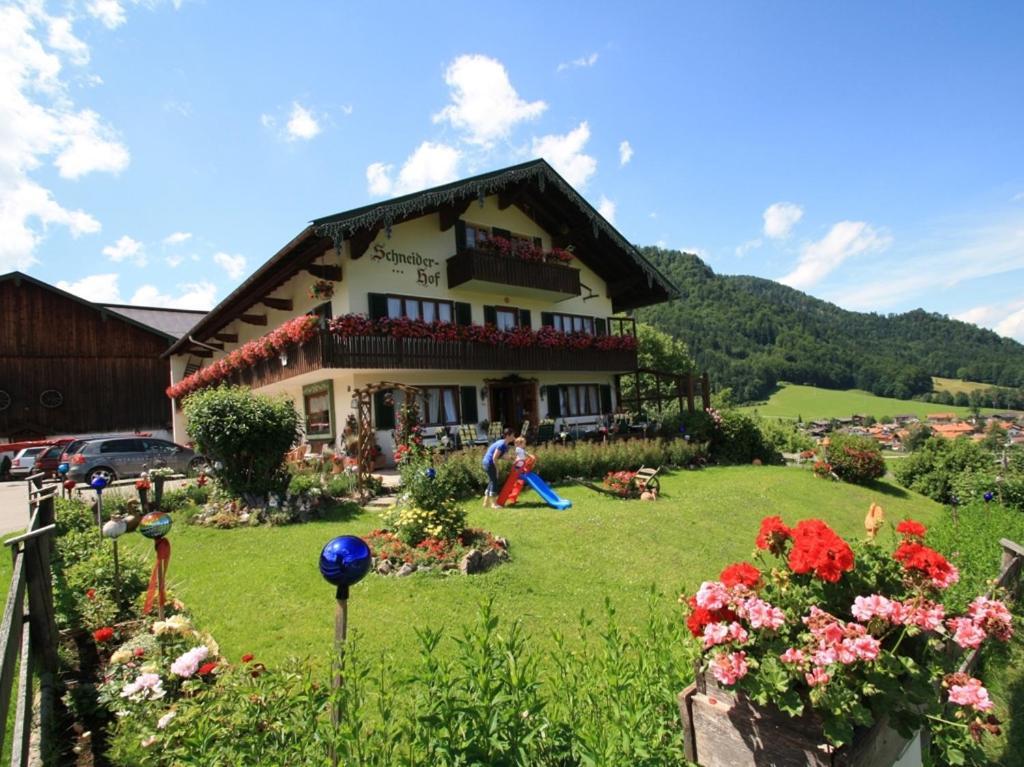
{"points": [[812, 404], [956, 385], [258, 589]]}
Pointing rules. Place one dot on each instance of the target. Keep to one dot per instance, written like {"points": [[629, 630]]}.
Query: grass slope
{"points": [[258, 589], [812, 404], [955, 385]]}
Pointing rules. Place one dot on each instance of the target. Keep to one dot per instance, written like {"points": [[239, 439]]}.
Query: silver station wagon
{"points": [[120, 457]]}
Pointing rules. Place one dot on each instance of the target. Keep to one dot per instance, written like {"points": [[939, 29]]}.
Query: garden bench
{"points": [[495, 431], [647, 479]]}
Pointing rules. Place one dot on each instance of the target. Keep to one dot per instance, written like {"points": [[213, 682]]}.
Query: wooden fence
{"points": [[1009, 579], [28, 633]]}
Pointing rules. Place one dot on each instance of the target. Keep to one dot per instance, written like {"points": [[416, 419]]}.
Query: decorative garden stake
{"points": [[142, 484], [156, 525], [989, 496], [62, 471], [344, 561], [69, 485], [97, 484], [113, 530]]}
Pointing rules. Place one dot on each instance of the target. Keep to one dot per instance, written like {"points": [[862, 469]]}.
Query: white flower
{"points": [[188, 663], [145, 687], [176, 624], [165, 719]]}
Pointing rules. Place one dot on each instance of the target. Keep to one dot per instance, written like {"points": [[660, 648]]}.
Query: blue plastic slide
{"points": [[550, 497]]}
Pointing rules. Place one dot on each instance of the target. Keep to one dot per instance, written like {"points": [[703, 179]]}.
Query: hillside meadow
{"points": [[812, 404]]}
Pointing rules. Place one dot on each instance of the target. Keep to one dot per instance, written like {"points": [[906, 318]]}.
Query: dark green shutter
{"points": [[606, 399], [468, 397], [378, 306], [463, 313], [538, 242], [525, 319], [554, 402], [490, 315], [496, 232], [547, 319], [383, 413], [460, 236], [600, 326]]}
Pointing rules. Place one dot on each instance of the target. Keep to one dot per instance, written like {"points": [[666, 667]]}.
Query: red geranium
{"points": [[917, 558], [247, 657], [700, 617], [90, 593], [773, 535], [104, 634], [207, 668], [818, 550], [908, 528], [740, 574]]}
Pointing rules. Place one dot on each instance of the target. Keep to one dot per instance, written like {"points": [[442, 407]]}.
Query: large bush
{"points": [[245, 436], [934, 468], [856, 459], [736, 438], [784, 435]]}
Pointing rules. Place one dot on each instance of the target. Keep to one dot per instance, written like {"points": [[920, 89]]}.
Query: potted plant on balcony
{"points": [[321, 290], [831, 654]]}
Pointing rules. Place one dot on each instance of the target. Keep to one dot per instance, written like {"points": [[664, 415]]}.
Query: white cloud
{"points": [[109, 12], [1005, 319], [61, 38], [780, 218], [581, 63], [198, 295], [267, 121], [301, 124], [431, 164], [100, 288], [625, 153], [744, 248], [565, 153], [484, 104], [126, 248], [820, 258], [347, 109], [177, 238], [606, 208], [174, 261], [234, 265], [39, 122]]}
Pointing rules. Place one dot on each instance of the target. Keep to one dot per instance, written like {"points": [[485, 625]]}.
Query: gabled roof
{"points": [[107, 310], [173, 322], [533, 186]]}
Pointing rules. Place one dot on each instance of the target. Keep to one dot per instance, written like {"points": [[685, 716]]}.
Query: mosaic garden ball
{"points": [[989, 496], [345, 560], [156, 524], [115, 528]]}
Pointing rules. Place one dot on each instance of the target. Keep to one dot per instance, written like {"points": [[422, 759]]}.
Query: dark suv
{"points": [[120, 457]]}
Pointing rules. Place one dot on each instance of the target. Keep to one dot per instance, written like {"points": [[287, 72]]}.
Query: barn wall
{"points": [[108, 371]]}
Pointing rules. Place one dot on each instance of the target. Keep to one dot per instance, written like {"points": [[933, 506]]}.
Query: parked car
{"points": [[23, 462], [120, 457], [48, 461]]}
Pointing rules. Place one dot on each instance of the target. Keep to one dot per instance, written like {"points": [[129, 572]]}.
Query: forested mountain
{"points": [[750, 333]]}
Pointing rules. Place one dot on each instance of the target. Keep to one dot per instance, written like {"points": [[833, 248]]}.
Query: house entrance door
{"points": [[512, 403]]}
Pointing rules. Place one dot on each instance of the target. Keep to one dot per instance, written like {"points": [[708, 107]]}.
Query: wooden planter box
{"points": [[724, 728]]}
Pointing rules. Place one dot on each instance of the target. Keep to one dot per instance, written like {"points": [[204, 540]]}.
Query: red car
{"points": [[49, 459]]}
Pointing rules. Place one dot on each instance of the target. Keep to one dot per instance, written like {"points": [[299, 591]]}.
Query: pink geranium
{"points": [[760, 614], [874, 606], [817, 676], [712, 595], [729, 667], [792, 655], [970, 693], [966, 632]]}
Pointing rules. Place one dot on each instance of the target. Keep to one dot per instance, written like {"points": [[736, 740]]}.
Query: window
{"points": [[439, 405], [323, 312], [160, 446], [317, 400], [579, 399], [426, 309], [572, 323], [476, 235], [506, 318], [122, 446]]}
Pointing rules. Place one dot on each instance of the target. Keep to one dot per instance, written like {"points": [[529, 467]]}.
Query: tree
{"points": [[660, 351], [245, 436]]}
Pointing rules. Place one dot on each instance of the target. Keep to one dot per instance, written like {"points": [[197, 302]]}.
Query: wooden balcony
{"points": [[327, 351], [480, 270]]}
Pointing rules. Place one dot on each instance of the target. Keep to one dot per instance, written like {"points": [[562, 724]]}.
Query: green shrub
{"points": [[737, 439], [181, 498], [784, 436], [245, 436], [340, 485], [302, 484], [933, 468], [856, 459], [73, 514]]}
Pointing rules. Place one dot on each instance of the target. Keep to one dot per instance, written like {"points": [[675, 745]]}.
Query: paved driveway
{"points": [[13, 507]]}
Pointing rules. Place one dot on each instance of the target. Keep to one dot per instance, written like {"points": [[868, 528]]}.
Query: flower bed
{"points": [[622, 483], [391, 555], [302, 329], [852, 634], [525, 251]]}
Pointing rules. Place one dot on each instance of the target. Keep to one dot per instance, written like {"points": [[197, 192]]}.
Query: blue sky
{"points": [[871, 154]]}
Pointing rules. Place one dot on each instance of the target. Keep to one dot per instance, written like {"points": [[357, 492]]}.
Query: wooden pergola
{"points": [[367, 439], [658, 388]]}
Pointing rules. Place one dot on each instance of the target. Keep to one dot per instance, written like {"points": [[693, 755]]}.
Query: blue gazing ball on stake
{"points": [[98, 483], [431, 472], [62, 468], [156, 524], [345, 560], [989, 496]]}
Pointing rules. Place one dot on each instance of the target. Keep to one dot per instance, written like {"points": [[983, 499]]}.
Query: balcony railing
{"points": [[478, 266], [326, 351]]}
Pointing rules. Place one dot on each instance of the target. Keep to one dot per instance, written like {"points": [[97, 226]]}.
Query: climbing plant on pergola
{"points": [[364, 414]]}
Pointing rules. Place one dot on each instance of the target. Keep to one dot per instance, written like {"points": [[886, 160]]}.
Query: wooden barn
{"points": [[69, 366]]}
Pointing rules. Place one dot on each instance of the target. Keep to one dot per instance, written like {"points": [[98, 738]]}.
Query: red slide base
{"points": [[514, 484]]}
